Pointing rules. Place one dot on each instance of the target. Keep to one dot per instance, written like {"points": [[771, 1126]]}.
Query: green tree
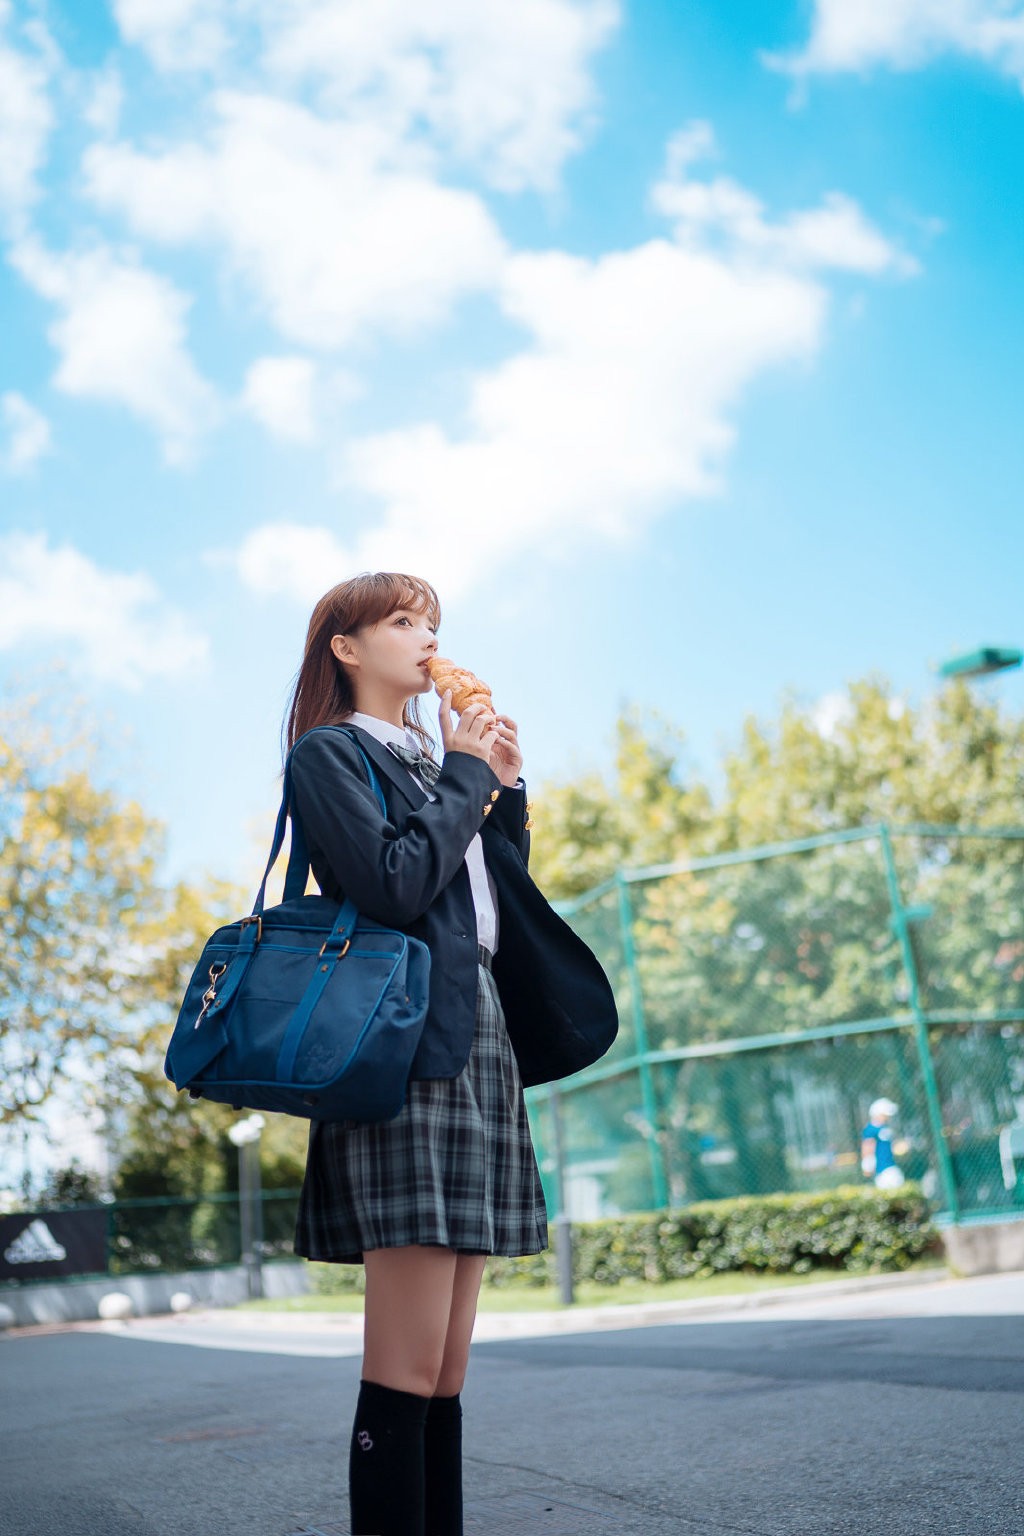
{"points": [[71, 1185], [77, 887], [751, 947], [651, 811]]}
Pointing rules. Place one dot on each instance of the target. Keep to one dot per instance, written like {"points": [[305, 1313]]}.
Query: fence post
{"points": [[901, 925], [650, 1103]]}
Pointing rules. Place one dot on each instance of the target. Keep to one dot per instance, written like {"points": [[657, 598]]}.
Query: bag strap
{"points": [[298, 857]]}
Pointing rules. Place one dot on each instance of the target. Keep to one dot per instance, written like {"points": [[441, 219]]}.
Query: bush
{"points": [[849, 1228]]}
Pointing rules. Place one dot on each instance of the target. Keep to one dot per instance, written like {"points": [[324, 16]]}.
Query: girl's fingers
{"points": [[480, 720], [444, 716]]}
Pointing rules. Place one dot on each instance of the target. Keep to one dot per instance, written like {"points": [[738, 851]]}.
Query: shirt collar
{"points": [[384, 731]]}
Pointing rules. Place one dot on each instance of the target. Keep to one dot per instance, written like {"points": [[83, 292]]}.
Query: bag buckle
{"points": [[258, 920], [341, 952]]}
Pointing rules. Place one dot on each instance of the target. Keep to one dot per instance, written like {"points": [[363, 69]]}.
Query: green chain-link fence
{"points": [[767, 997]]}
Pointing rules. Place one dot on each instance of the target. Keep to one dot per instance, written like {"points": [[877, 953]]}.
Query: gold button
{"points": [[487, 810], [527, 825], [529, 806], [495, 793]]}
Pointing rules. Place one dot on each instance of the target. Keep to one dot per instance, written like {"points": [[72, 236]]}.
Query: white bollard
{"points": [[181, 1301], [115, 1305]]}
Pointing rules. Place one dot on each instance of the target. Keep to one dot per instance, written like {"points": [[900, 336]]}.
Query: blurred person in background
{"points": [[877, 1158]]}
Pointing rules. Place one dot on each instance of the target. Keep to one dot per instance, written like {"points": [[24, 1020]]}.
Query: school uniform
{"points": [[515, 996]]}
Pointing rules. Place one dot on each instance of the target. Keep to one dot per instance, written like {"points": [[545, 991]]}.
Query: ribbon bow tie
{"points": [[425, 766]]}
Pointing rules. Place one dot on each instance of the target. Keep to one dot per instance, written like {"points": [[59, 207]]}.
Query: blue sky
{"points": [[677, 345]]}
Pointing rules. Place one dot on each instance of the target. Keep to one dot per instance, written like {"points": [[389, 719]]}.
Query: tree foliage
{"points": [[77, 889], [871, 757], [729, 947]]}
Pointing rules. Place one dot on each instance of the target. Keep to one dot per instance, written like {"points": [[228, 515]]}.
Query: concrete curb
{"points": [[493, 1326]]}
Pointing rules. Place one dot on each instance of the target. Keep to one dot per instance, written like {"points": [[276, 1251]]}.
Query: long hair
{"points": [[322, 693]]}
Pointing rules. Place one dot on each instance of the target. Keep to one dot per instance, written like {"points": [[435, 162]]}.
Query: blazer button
{"points": [[527, 824], [495, 793]]}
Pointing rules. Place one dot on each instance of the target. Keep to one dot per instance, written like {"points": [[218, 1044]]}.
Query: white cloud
{"points": [[615, 411], [102, 110], [26, 119], [858, 35], [278, 391], [620, 408], [27, 432], [121, 337], [115, 627], [834, 235], [290, 557], [176, 34], [332, 228], [504, 84]]}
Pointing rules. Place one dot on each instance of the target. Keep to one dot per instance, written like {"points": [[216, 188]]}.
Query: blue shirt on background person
{"points": [[882, 1137], [877, 1159]]}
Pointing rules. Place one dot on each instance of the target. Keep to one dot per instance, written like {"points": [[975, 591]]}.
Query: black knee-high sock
{"points": [[385, 1463], [442, 1467]]}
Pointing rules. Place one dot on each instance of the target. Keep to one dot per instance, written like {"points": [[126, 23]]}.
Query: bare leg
{"points": [[469, 1269], [409, 1305], [442, 1438]]}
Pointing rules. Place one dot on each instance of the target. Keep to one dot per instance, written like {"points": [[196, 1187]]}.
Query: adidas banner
{"points": [[39, 1244]]}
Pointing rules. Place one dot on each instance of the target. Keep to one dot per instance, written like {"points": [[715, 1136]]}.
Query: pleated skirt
{"points": [[455, 1168]]}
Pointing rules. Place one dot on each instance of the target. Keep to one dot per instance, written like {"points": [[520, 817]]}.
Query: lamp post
{"points": [[245, 1135]]}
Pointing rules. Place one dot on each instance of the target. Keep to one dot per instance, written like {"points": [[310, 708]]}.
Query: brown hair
{"points": [[322, 692]]}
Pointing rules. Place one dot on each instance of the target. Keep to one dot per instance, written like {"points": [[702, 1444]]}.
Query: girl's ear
{"points": [[341, 646]]}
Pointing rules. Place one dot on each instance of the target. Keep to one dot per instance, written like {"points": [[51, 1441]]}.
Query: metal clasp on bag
{"points": [[217, 970], [341, 952], [258, 920]]}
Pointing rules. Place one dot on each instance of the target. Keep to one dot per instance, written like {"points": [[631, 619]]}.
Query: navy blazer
{"points": [[408, 870]]}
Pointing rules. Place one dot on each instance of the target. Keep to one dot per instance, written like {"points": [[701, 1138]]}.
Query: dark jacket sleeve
{"points": [[392, 875], [510, 816]]}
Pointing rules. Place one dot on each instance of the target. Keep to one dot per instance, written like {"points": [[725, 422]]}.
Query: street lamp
{"points": [[982, 662], [245, 1135]]}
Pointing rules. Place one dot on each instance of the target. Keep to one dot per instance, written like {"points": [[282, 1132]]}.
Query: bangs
{"points": [[371, 598]]}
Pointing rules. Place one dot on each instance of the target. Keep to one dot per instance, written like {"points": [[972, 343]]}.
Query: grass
{"points": [[524, 1298]]}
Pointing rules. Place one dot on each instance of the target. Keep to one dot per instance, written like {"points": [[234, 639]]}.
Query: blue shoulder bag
{"points": [[305, 1008]]}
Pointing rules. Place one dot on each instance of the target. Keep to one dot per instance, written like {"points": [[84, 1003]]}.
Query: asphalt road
{"points": [[888, 1413]]}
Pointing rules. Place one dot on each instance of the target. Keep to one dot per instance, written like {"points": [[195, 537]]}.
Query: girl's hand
{"points": [[506, 758], [476, 732]]}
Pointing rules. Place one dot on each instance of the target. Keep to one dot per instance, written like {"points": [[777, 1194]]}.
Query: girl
{"points": [[422, 1199]]}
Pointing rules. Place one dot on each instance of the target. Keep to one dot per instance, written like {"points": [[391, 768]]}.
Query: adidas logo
{"points": [[35, 1245]]}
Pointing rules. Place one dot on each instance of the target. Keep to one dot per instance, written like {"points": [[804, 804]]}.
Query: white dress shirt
{"points": [[485, 897]]}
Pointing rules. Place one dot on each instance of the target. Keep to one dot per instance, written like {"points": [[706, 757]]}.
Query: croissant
{"points": [[466, 687]]}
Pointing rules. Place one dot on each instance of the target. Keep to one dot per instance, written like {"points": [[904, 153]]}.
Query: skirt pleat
{"points": [[455, 1168]]}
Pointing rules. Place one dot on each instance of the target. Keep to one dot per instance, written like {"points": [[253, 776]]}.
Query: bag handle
{"points": [[298, 857]]}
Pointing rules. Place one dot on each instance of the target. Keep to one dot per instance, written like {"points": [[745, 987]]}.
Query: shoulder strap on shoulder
{"points": [[297, 872]]}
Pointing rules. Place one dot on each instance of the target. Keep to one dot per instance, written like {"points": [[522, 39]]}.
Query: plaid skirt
{"points": [[456, 1167]]}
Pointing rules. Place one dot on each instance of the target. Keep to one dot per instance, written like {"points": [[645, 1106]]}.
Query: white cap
{"points": [[883, 1107]]}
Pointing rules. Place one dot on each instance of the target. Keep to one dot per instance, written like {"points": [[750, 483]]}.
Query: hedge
{"points": [[851, 1228]]}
